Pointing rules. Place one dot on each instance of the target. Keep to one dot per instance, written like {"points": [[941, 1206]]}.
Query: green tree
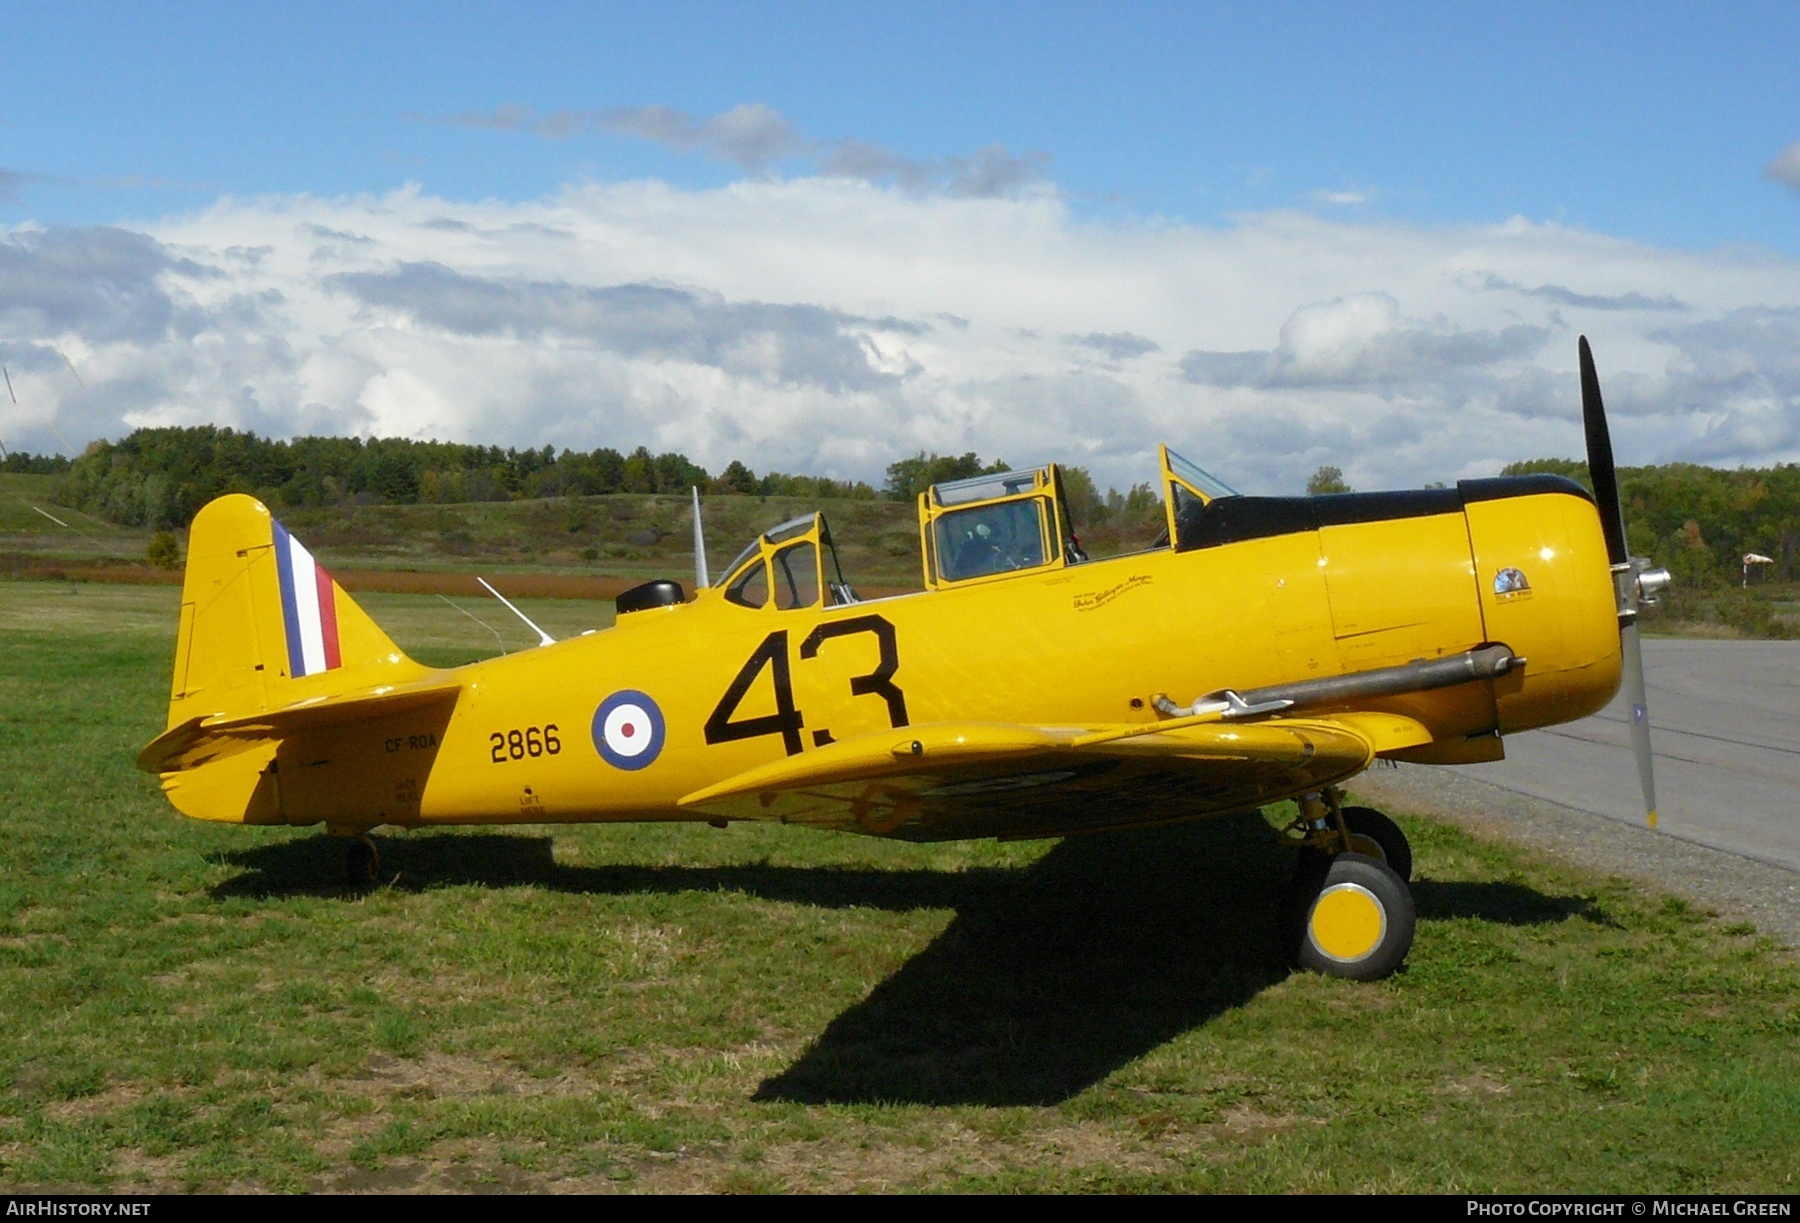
{"points": [[1085, 503], [907, 478], [26, 463], [736, 478], [1327, 480], [164, 551]]}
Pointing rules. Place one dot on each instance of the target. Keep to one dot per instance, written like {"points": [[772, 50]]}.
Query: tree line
{"points": [[1697, 521], [19, 462], [160, 478]]}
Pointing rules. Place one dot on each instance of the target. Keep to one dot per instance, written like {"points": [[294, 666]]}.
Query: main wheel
{"points": [[1396, 851], [1349, 916], [1373, 835], [362, 863]]}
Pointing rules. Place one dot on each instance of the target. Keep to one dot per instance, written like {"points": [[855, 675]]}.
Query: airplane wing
{"points": [[950, 780], [198, 741]]}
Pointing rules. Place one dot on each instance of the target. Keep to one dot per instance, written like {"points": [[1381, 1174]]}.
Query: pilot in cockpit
{"points": [[993, 539]]}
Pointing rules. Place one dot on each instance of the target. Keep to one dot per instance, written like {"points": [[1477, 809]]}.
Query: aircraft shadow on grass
{"points": [[1049, 978]]}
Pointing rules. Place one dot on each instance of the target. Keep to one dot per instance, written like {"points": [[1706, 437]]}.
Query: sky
{"points": [[816, 237]]}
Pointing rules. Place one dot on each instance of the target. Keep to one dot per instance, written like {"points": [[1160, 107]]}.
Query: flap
{"points": [[197, 741]]}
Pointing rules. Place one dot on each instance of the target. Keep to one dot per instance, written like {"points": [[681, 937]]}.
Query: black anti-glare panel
{"points": [[1499, 488], [1231, 520]]}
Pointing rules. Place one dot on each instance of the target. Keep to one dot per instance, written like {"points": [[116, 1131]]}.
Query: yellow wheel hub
{"points": [[1347, 922]]}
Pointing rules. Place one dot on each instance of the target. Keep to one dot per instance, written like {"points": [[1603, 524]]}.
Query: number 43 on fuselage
{"points": [[1264, 649]]}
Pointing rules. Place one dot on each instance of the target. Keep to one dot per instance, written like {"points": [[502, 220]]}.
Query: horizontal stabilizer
{"points": [[201, 740]]}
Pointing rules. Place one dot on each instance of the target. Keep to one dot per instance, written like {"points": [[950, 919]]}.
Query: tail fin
{"points": [[263, 625]]}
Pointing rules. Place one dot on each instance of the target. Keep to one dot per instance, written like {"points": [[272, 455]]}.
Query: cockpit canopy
{"points": [[785, 567], [994, 525], [980, 529], [1012, 522], [1187, 490]]}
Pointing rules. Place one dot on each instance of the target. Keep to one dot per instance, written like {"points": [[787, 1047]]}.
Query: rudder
{"points": [[263, 625]]}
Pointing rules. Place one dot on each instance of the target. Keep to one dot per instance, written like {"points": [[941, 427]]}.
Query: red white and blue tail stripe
{"points": [[308, 608]]}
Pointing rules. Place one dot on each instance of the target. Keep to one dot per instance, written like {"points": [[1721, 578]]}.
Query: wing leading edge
{"points": [[950, 780]]}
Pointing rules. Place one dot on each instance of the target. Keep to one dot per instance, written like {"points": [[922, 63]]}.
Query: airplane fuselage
{"points": [[622, 723]]}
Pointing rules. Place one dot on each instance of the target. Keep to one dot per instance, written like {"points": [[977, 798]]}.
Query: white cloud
{"points": [[988, 172], [827, 324], [1563, 296], [1118, 345], [751, 136], [1785, 169], [1363, 342], [755, 137], [510, 117]]}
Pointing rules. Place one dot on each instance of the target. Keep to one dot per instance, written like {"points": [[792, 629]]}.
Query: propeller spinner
{"points": [[1636, 582]]}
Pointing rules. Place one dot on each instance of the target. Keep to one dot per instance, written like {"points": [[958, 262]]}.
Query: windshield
{"points": [[787, 556], [1198, 478], [797, 576]]}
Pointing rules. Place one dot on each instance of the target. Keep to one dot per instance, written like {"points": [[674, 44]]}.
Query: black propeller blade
{"points": [[1612, 524], [1600, 459]]}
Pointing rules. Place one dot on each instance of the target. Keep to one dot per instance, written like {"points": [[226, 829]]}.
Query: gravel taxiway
{"points": [[1725, 732]]}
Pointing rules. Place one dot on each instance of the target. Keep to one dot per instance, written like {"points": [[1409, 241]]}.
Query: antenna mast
{"points": [[701, 579], [543, 637]]}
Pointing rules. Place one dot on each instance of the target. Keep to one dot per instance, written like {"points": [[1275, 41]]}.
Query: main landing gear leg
{"points": [[1348, 911]]}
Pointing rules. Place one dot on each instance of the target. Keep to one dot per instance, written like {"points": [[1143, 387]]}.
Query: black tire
{"points": [[1396, 851], [362, 863], [1297, 898], [1353, 918]]}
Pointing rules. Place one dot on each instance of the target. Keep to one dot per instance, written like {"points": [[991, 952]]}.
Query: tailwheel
{"points": [[362, 863], [1349, 916]]}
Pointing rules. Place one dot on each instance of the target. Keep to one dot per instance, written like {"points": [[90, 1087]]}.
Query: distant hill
{"points": [[397, 503], [161, 477]]}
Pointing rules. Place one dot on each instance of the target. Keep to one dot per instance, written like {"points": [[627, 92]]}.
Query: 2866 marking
{"points": [[518, 744]]}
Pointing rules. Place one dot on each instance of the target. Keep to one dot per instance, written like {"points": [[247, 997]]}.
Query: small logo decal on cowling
{"points": [[1511, 584], [628, 730]]}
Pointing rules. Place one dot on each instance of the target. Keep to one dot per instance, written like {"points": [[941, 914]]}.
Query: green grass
{"points": [[26, 499], [668, 1007], [1764, 610]]}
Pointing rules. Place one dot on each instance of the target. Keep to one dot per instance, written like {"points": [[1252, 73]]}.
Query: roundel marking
{"points": [[628, 730]]}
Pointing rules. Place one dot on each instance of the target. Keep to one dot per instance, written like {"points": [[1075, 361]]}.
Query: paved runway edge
{"points": [[1732, 885]]}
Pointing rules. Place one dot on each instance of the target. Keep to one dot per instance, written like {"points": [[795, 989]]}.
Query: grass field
{"points": [[672, 1007]]}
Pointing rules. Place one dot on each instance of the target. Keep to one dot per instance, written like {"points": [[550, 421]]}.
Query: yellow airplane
{"points": [[1267, 648]]}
